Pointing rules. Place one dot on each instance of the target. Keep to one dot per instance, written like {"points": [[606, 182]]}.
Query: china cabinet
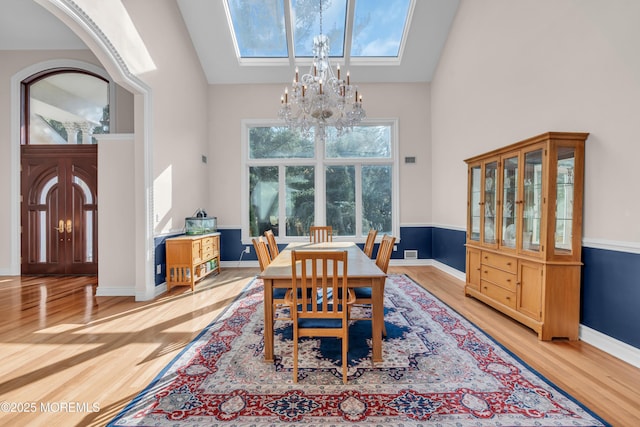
{"points": [[524, 231], [191, 258]]}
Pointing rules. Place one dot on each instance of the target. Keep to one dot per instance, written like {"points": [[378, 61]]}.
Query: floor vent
{"points": [[411, 254]]}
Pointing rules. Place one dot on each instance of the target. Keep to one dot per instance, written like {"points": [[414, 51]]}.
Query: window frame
{"points": [[320, 163]]}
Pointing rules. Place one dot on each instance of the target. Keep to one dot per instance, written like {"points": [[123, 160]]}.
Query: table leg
{"points": [[268, 320], [377, 299]]}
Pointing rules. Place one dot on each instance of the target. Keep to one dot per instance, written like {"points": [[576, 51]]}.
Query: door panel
{"points": [[59, 209]]}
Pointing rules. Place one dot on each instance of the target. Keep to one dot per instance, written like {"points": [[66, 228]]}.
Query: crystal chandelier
{"points": [[321, 97]]}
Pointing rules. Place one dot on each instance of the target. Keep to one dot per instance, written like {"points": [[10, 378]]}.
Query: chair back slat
{"points": [[320, 233], [273, 246], [371, 239], [384, 252], [322, 276], [262, 252]]}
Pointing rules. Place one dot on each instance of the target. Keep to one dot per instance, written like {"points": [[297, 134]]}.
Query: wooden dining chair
{"points": [[320, 233], [279, 294], [273, 246], [371, 239], [318, 276], [363, 296]]}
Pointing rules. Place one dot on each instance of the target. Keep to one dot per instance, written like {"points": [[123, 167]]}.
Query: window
{"points": [[292, 182], [266, 29], [66, 106]]}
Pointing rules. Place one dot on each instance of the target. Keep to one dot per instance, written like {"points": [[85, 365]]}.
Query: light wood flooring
{"points": [[75, 359]]}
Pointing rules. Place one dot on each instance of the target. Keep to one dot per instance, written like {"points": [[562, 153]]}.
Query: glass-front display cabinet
{"points": [[524, 229]]}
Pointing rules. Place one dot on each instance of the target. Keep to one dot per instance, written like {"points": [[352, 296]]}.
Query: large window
{"points": [[349, 182]]}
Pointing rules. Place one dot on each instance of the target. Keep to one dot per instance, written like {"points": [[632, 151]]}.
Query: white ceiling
{"points": [[29, 26]]}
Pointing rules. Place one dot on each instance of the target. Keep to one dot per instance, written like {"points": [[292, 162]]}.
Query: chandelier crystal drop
{"points": [[321, 98]]}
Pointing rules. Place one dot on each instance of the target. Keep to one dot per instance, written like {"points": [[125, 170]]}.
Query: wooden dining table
{"points": [[362, 271]]}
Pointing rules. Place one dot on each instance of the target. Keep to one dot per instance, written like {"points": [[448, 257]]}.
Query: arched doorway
{"points": [[62, 109]]}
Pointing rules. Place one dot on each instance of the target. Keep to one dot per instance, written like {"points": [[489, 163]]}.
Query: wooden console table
{"points": [[191, 258]]}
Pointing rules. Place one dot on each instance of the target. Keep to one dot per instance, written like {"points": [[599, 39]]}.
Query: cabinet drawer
{"points": [[501, 262], [208, 254], [501, 278], [498, 294], [207, 243]]}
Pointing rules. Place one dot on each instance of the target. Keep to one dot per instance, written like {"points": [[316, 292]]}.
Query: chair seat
{"points": [[317, 323], [362, 292], [279, 293]]}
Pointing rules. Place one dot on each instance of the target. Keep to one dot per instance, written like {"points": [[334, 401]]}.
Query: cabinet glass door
{"points": [[509, 199], [532, 201], [474, 200], [490, 202], [566, 162]]}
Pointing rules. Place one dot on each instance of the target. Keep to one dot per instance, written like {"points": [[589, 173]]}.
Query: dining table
{"points": [[362, 271]]}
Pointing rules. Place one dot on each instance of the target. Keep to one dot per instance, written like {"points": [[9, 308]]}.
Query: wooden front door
{"points": [[59, 209]]}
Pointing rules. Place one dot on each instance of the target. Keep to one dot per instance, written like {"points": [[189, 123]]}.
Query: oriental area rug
{"points": [[438, 369]]}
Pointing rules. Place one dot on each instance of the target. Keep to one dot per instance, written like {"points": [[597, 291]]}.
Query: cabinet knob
{"points": [[509, 263], [508, 298]]}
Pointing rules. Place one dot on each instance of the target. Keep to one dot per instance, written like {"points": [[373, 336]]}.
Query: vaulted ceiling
{"points": [[29, 26]]}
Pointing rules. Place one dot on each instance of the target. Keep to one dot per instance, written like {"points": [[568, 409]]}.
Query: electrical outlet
{"points": [[247, 249], [395, 248], [158, 269]]}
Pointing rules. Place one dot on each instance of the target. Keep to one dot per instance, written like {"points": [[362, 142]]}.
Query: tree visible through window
{"points": [[295, 182]]}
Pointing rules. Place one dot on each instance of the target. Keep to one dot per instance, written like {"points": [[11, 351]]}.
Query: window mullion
{"points": [[358, 200], [320, 189], [282, 200]]}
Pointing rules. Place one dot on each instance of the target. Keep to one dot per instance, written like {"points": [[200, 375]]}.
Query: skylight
{"points": [[285, 28]]}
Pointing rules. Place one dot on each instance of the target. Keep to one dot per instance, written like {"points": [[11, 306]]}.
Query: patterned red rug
{"points": [[438, 368]]}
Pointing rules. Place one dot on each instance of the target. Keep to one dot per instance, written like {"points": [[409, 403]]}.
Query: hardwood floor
{"points": [[70, 358]]}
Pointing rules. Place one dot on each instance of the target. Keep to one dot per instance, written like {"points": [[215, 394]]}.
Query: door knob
{"points": [[60, 227], [69, 226]]}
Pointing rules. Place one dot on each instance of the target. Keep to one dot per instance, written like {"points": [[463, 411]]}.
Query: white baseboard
{"points": [[115, 291], [622, 351]]}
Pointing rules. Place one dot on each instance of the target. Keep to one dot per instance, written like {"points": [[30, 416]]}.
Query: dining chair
{"points": [[273, 246], [279, 294], [363, 296], [371, 239], [316, 313], [262, 252], [320, 233]]}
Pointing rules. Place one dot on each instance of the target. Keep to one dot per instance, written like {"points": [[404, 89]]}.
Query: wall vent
{"points": [[411, 254]]}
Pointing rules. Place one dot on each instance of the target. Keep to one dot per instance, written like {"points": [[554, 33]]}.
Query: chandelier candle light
{"points": [[320, 98]]}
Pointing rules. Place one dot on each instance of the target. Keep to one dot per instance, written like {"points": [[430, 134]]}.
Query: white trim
{"points": [[612, 346], [449, 227], [612, 245]]}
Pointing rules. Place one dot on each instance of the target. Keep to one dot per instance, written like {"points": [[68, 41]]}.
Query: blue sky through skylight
{"points": [[261, 31], [378, 27]]}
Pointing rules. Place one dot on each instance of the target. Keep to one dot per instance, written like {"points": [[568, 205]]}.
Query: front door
{"points": [[59, 209]]}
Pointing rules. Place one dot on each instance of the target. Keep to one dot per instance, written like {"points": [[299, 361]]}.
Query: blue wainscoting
{"points": [[610, 295], [448, 247]]}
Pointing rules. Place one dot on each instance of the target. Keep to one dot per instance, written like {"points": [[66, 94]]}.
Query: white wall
{"points": [[230, 104], [179, 106], [511, 70]]}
